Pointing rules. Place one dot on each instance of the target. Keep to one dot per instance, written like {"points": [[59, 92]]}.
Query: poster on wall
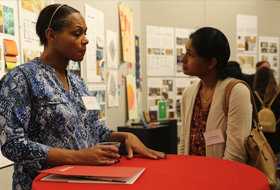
{"points": [[131, 97], [29, 11], [268, 51], [112, 88], [95, 49], [160, 51], [112, 48], [99, 92], [127, 34], [11, 54], [161, 89], [181, 39], [137, 58], [247, 32], [9, 36], [74, 67], [162, 110], [181, 84], [247, 62]]}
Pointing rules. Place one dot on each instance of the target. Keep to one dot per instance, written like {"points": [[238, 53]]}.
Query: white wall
{"points": [[177, 14]]}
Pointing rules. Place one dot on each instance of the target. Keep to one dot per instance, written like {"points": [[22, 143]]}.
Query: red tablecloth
{"points": [[177, 172]]}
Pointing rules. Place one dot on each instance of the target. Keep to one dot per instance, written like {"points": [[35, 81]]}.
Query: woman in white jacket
{"points": [[206, 130]]}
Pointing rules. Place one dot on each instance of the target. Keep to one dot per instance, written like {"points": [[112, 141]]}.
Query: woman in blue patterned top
{"points": [[43, 120]]}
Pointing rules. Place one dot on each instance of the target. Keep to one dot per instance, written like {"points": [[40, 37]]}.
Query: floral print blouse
{"points": [[198, 126], [37, 113]]}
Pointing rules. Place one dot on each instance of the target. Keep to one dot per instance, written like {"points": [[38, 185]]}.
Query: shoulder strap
{"points": [[258, 96], [227, 92], [269, 106]]}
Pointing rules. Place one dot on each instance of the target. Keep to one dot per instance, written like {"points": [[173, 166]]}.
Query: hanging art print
{"points": [[131, 97], [128, 45]]}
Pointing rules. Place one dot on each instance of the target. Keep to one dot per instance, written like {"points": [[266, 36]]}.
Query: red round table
{"points": [[176, 172]]}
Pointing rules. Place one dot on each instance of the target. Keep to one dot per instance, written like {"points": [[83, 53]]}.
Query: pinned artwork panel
{"points": [[112, 50], [137, 57], [10, 47], [131, 97], [112, 89], [127, 34], [11, 52], [8, 20]]}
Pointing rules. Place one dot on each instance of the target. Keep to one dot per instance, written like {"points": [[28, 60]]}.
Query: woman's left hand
{"points": [[133, 144]]}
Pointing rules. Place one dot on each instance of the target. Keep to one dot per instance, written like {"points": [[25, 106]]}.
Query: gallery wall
{"points": [[218, 14], [177, 14]]}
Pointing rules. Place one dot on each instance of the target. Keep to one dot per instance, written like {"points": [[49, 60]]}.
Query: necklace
{"points": [[206, 99]]}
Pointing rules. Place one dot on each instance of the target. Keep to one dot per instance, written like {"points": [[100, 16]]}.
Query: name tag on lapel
{"points": [[91, 103], [213, 137]]}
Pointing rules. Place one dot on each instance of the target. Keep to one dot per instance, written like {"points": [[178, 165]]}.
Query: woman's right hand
{"points": [[98, 155]]}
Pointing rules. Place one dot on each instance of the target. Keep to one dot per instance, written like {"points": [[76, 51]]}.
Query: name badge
{"points": [[214, 137], [91, 103]]}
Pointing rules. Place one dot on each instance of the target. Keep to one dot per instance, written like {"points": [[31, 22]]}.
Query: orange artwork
{"points": [[10, 47], [128, 44], [131, 97]]}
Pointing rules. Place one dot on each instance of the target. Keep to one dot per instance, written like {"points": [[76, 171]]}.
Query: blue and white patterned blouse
{"points": [[37, 112]]}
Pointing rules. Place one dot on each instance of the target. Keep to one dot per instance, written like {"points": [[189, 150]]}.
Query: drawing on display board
{"points": [[246, 42], [74, 67], [29, 30], [181, 37], [99, 92], [29, 54], [131, 97], [268, 51], [247, 62], [8, 20], [128, 46], [95, 56], [137, 59], [112, 50], [101, 112], [28, 14], [112, 88], [34, 6], [161, 89], [11, 52], [160, 51], [246, 30]]}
